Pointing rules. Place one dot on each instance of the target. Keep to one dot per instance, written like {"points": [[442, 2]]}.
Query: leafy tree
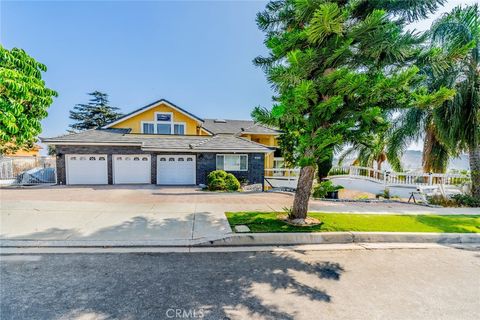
{"points": [[436, 63], [52, 150], [95, 114], [24, 99], [368, 152], [336, 68], [458, 120], [413, 125]]}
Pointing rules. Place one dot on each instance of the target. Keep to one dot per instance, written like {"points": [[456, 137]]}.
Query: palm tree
{"points": [[410, 126], [458, 121], [368, 152]]}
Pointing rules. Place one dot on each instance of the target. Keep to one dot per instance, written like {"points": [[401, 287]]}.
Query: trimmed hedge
{"points": [[222, 181]]}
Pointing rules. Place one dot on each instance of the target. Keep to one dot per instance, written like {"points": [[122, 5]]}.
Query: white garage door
{"points": [[176, 169], [87, 169], [131, 168]]}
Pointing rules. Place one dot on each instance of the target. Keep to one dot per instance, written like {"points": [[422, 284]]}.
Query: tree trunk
{"points": [[302, 194], [427, 150], [474, 158]]}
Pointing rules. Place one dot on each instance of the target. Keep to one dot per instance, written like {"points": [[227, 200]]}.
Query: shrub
{"points": [[220, 180], [217, 184], [217, 174], [466, 201], [231, 182], [321, 189]]}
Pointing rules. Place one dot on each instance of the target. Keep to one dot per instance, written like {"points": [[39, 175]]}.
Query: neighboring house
{"points": [[164, 144], [32, 152]]}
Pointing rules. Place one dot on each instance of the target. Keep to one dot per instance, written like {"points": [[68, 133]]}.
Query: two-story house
{"points": [[164, 144]]}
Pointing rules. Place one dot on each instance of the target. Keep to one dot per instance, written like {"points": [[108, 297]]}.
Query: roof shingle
{"points": [[163, 142]]}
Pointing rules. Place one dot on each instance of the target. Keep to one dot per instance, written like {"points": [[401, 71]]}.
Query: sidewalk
{"points": [[147, 215]]}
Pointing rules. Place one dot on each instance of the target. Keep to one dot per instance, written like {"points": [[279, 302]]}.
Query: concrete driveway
{"points": [[129, 215]]}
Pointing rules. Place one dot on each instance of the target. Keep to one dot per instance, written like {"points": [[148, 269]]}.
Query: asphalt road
{"points": [[349, 284]]}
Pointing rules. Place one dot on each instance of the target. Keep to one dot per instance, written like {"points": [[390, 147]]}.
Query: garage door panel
{"points": [[176, 169], [134, 168], [87, 169]]}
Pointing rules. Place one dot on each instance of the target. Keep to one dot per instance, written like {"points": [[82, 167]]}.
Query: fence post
{"points": [[430, 179]]}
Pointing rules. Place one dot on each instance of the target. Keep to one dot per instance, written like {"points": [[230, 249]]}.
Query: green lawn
{"points": [[269, 222]]}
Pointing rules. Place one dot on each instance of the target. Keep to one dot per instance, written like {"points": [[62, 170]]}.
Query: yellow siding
{"points": [[33, 152], [135, 122], [267, 140]]}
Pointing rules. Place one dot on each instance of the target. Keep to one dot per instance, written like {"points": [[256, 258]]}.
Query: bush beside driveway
{"points": [[136, 215]]}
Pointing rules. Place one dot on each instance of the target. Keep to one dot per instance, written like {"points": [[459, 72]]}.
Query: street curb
{"points": [[260, 239]]}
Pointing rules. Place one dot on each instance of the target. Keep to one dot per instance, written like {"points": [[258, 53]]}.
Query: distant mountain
{"points": [[412, 161]]}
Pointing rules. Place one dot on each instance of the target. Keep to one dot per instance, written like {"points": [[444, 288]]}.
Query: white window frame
{"points": [[172, 124], [232, 154], [148, 122], [180, 124]]}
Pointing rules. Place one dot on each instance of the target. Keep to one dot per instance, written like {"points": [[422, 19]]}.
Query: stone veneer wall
{"points": [[205, 162]]}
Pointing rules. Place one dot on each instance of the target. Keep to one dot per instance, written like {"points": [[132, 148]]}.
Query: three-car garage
{"points": [[130, 169]]}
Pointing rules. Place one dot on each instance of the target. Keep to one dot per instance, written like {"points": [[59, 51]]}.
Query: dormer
{"points": [[163, 118]]}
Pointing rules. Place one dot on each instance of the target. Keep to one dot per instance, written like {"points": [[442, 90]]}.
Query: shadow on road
{"points": [[146, 286]]}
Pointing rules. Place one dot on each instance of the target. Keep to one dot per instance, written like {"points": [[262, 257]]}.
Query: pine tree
{"points": [[338, 68], [95, 114]]}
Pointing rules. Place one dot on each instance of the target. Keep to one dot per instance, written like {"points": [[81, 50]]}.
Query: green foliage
{"points": [[320, 190], [95, 114], [339, 68], [440, 200], [217, 174], [52, 150], [464, 200], [216, 185], [219, 180], [24, 99], [385, 194], [324, 165], [458, 120], [231, 182], [334, 222], [457, 200]]}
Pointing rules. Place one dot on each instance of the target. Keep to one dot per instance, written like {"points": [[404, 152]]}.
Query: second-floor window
{"points": [[148, 128], [163, 124]]}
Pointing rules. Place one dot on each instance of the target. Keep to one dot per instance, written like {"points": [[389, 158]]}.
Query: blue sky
{"points": [[196, 54]]}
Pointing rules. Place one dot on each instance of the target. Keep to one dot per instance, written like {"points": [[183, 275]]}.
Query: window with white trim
{"points": [[163, 124], [148, 128], [179, 128], [232, 162], [164, 128]]}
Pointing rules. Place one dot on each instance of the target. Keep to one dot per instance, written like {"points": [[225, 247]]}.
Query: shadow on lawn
{"points": [[144, 286], [444, 225]]}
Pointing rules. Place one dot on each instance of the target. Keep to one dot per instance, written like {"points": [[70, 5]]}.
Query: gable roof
{"points": [[150, 106], [237, 127], [220, 143]]}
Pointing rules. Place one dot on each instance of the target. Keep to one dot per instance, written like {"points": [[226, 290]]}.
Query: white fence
{"points": [[27, 170], [281, 178], [410, 179], [288, 178]]}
